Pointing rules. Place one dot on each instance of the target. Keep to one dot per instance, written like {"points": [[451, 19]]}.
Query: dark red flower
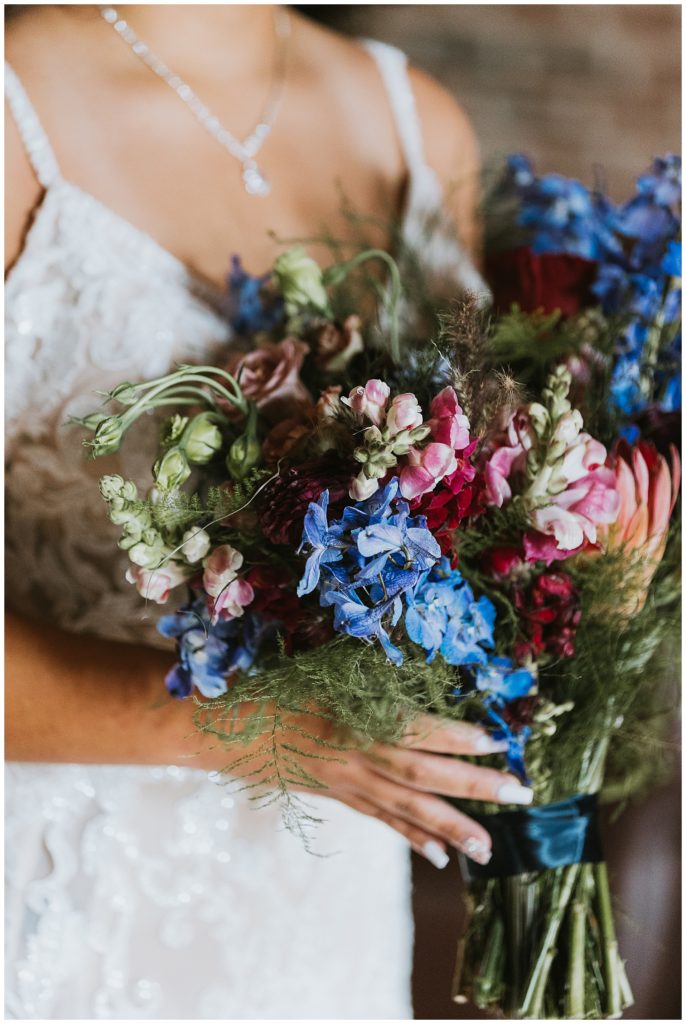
{"points": [[520, 713], [549, 614], [285, 499], [500, 562], [546, 281]]}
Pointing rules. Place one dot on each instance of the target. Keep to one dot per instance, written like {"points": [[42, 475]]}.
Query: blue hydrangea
{"points": [[208, 653]]}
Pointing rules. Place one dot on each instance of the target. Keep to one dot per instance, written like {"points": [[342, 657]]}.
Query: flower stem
{"points": [[339, 271], [538, 976], [609, 942], [575, 1000]]}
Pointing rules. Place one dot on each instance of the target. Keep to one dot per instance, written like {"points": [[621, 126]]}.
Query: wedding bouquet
{"points": [[473, 518]]}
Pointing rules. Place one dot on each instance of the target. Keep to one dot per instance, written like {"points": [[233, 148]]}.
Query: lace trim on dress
{"points": [[32, 133]]}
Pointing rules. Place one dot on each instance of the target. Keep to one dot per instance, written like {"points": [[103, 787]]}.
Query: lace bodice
{"points": [[139, 892]]}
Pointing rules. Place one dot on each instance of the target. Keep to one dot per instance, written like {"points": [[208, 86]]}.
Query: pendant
{"points": [[254, 180]]}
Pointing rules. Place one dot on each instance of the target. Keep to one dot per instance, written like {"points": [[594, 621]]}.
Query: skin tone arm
{"points": [[86, 700]]}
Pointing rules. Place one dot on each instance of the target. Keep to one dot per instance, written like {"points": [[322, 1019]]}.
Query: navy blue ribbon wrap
{"points": [[537, 838]]}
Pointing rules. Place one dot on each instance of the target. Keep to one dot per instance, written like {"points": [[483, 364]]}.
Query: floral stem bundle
{"points": [[469, 513]]}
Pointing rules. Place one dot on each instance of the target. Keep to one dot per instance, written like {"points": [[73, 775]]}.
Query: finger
{"points": [[429, 732], [427, 812], [449, 776], [422, 842]]}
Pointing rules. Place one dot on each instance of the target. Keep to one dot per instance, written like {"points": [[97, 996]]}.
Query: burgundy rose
{"points": [[546, 281], [285, 499]]}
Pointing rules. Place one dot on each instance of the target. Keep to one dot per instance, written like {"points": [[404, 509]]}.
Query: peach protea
{"points": [[647, 486]]}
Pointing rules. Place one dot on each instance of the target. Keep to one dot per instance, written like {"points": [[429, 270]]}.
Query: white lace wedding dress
{"points": [[138, 892]]}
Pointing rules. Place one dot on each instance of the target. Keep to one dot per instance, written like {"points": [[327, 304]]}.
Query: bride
{"points": [[137, 886]]}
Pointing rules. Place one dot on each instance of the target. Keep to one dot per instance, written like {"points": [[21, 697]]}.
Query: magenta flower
{"points": [[448, 423], [425, 468]]}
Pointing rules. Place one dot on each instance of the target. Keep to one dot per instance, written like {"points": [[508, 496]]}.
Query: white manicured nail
{"points": [[513, 793], [487, 745], [435, 853], [476, 849]]}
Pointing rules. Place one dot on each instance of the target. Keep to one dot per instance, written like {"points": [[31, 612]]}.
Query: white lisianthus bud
{"points": [[201, 440], [149, 556], [300, 282], [171, 470], [196, 544]]}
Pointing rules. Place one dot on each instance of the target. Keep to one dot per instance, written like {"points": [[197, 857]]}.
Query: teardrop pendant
{"points": [[254, 180]]}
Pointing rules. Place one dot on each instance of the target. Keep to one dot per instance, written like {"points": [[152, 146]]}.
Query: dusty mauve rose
{"points": [[335, 346], [270, 377]]}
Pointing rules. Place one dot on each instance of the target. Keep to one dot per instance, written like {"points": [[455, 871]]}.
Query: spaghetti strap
{"points": [[30, 129], [392, 64]]}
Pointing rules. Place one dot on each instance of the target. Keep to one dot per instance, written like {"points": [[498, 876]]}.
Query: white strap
{"points": [[392, 64], [33, 136]]}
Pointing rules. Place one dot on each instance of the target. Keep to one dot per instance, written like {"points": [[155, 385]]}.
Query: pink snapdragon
{"points": [[425, 467], [569, 490], [220, 579], [231, 601], [448, 423], [370, 400], [156, 584], [405, 413], [221, 567]]}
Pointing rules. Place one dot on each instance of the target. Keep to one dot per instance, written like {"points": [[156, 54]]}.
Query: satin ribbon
{"points": [[537, 838]]}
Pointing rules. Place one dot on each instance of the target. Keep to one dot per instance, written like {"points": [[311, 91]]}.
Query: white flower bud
{"points": [[196, 544]]}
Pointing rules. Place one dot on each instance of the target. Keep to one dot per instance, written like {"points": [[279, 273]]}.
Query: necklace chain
{"points": [[245, 150]]}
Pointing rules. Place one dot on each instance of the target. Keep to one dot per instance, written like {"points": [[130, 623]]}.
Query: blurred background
{"points": [[573, 85], [580, 88]]}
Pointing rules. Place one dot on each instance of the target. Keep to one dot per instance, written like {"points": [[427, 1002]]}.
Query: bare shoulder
{"points": [[450, 140]]}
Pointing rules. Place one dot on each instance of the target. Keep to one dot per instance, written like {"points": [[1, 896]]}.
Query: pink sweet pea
{"points": [[156, 584], [231, 601], [448, 423], [370, 400], [425, 468], [221, 568], [405, 413]]}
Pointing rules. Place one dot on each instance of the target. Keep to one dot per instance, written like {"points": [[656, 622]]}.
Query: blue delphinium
{"points": [[444, 617], [561, 215], [639, 263], [501, 682], [245, 306], [208, 653], [366, 561]]}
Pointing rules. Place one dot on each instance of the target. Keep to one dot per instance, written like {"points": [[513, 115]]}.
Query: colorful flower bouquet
{"points": [[474, 520]]}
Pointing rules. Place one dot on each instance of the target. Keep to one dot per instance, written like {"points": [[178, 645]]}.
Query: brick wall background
{"points": [[572, 85]]}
